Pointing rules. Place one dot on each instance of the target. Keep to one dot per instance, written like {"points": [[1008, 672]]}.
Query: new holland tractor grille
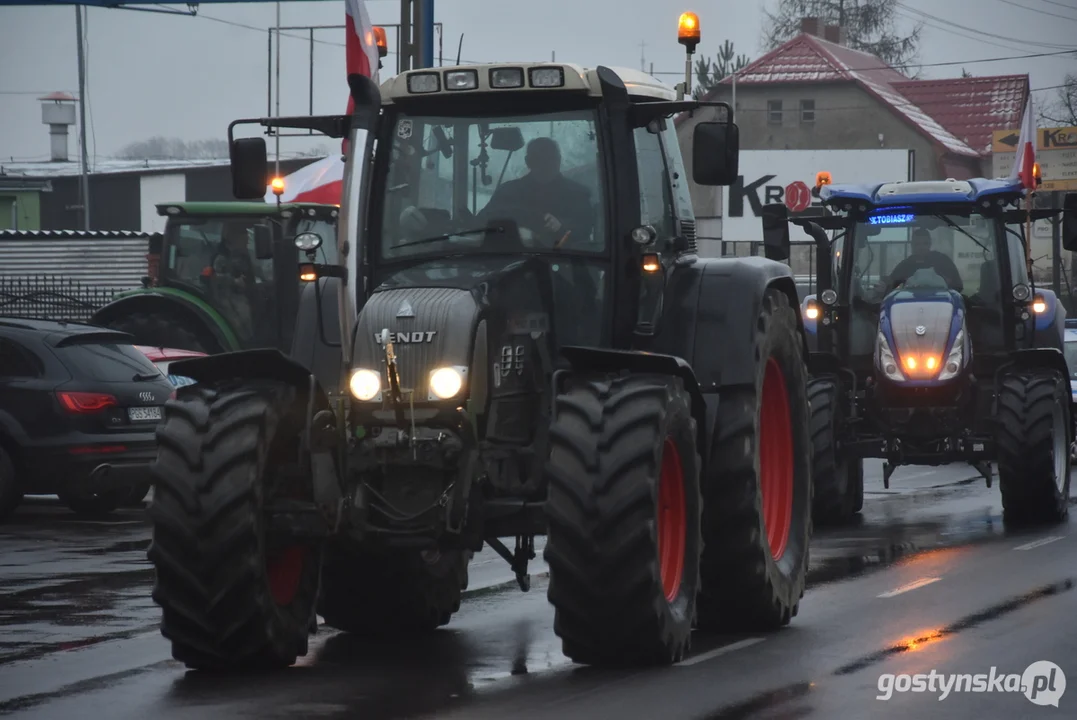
{"points": [[421, 342]]}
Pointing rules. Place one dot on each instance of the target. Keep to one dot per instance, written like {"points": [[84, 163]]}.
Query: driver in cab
{"points": [[544, 200], [921, 258]]}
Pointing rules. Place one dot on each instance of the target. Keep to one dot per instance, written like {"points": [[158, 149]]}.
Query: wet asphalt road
{"points": [[927, 580]]}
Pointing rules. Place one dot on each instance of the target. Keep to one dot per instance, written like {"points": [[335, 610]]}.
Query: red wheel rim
{"points": [[285, 572], [672, 534], [776, 459]]}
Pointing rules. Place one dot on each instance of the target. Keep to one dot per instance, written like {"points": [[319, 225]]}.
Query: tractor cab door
{"points": [[221, 260]]}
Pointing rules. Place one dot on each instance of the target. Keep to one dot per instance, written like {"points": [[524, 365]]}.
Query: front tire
{"points": [[1033, 446], [391, 593], [623, 508], [231, 598], [838, 481], [758, 491]]}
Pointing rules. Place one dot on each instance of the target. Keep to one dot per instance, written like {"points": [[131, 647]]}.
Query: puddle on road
{"points": [[969, 621]]}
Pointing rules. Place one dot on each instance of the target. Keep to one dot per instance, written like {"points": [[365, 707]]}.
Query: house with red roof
{"points": [[816, 93]]}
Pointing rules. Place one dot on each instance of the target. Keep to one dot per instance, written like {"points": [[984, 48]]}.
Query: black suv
{"points": [[79, 406]]}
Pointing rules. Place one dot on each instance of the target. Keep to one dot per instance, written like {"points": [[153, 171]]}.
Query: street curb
{"points": [[498, 587]]}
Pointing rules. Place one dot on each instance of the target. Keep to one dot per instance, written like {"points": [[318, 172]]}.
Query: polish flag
{"points": [[360, 48], [1026, 149], [320, 182]]}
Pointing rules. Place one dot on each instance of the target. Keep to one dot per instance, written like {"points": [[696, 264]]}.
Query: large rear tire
{"points": [[157, 329], [1033, 445], [391, 593], [839, 481], [231, 598], [758, 491], [623, 507]]}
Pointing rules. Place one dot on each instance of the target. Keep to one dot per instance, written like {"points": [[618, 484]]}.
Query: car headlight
{"points": [[365, 384], [886, 360], [954, 360], [446, 383]]}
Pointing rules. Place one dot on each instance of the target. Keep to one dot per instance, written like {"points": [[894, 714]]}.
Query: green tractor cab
{"points": [[228, 277]]}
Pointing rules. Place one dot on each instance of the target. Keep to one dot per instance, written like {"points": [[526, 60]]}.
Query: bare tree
{"points": [[870, 26], [1063, 109], [162, 148], [709, 74]]}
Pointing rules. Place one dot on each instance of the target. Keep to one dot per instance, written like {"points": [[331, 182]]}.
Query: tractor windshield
{"points": [[216, 258], [451, 178], [961, 252]]}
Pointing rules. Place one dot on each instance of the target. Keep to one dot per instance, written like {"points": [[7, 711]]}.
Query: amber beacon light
{"points": [[688, 30]]}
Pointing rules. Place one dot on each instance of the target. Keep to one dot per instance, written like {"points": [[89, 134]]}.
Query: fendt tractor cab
{"points": [[228, 277], [933, 344], [531, 347]]}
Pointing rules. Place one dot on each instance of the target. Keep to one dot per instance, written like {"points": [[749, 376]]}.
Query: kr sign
{"points": [[1056, 152], [788, 177]]}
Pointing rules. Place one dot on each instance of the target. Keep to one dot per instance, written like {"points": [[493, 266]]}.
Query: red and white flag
{"points": [[319, 182], [360, 47], [1026, 149]]}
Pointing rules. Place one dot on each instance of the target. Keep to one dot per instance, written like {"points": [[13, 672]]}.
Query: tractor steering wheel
{"points": [[534, 222]]}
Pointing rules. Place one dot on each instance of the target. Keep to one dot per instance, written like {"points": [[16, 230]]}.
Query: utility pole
{"points": [[642, 56], [85, 181], [276, 171]]}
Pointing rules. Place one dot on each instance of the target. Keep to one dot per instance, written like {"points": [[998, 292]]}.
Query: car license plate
{"points": [[143, 414], [180, 380]]}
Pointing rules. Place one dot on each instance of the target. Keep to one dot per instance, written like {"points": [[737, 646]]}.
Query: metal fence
{"points": [[51, 298]]}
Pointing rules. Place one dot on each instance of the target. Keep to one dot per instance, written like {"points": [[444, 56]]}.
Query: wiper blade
{"points": [[146, 376], [446, 236], [962, 230]]}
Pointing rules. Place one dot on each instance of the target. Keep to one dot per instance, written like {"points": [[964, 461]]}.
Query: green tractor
{"points": [[227, 278]]}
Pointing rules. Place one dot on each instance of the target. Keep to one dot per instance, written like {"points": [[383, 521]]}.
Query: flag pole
{"points": [[1028, 232]]}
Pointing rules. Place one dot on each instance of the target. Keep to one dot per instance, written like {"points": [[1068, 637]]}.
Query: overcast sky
{"points": [[187, 77]]}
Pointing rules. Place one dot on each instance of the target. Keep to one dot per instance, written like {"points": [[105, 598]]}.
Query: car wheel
{"points": [[95, 504], [10, 492]]}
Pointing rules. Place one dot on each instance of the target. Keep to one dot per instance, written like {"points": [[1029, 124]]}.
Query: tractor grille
{"points": [[434, 310], [688, 230]]}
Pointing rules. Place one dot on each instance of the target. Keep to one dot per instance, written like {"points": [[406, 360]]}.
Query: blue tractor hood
{"points": [[921, 329]]}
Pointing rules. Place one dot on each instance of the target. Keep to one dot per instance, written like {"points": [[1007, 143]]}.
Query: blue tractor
{"points": [[930, 343]]}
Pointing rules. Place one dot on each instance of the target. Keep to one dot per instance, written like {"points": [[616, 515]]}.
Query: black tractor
{"points": [[934, 345], [531, 346]]}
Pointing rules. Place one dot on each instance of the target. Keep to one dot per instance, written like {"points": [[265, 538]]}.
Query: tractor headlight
{"points": [[956, 358], [365, 384], [446, 383], [886, 360]]}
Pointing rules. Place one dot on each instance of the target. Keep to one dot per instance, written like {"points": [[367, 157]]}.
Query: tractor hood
{"points": [[433, 313], [463, 273], [922, 333]]}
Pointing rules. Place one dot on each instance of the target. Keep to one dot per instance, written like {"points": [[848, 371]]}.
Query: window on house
{"points": [[774, 112], [807, 112]]}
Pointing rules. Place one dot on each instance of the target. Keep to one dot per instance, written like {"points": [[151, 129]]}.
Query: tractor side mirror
{"points": [[509, 139], [1069, 222], [263, 242], [715, 153], [776, 244], [250, 168]]}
